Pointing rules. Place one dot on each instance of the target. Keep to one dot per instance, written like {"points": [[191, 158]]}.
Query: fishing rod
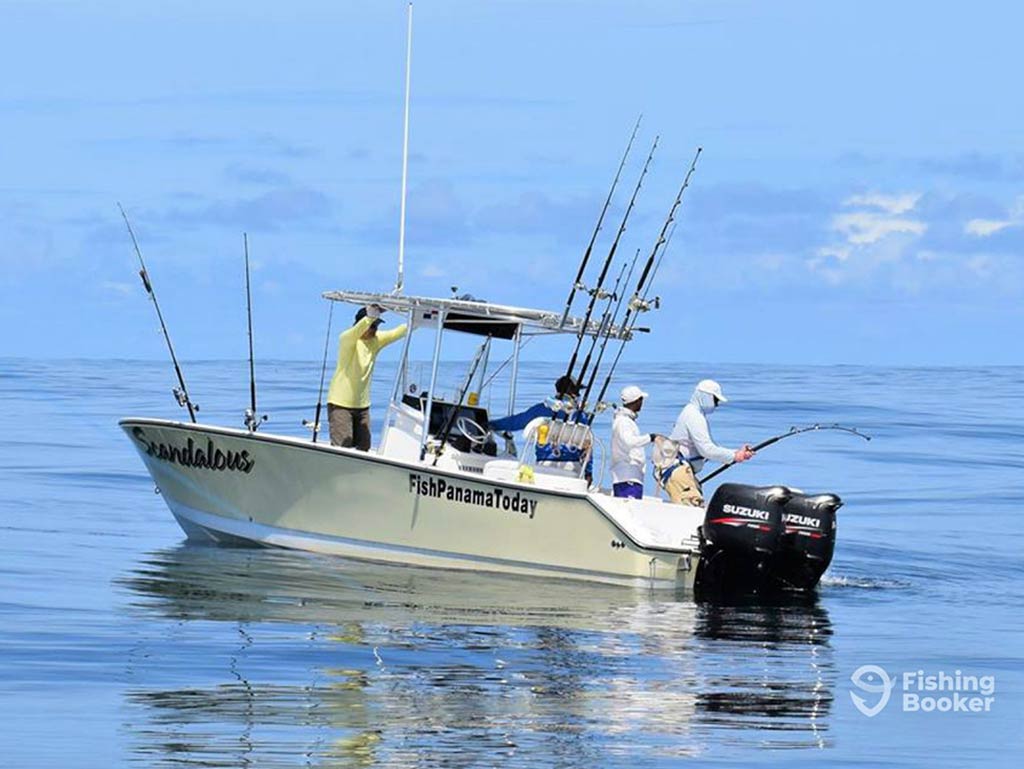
{"points": [[596, 292], [602, 327], [251, 421], [181, 392], [323, 371], [604, 344], [453, 415], [639, 302], [657, 264], [504, 363], [792, 431], [578, 283]]}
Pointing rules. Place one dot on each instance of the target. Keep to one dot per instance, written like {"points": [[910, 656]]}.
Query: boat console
{"points": [[469, 430]]}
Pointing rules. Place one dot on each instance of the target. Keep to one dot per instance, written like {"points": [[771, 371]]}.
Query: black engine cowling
{"points": [[741, 532], [756, 538], [808, 539], [746, 518]]}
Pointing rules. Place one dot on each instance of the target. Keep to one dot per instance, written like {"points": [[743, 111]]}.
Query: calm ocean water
{"points": [[124, 646]]}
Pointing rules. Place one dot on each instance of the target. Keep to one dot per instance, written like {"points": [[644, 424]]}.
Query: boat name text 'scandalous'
{"points": [[212, 458]]}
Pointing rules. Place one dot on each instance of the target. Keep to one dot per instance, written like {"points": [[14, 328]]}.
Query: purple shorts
{"points": [[630, 489]]}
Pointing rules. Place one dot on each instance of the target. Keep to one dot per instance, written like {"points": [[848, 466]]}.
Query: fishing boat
{"points": [[438, 490], [441, 490], [435, 491]]}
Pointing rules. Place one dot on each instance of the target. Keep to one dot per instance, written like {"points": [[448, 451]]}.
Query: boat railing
{"points": [[546, 438]]}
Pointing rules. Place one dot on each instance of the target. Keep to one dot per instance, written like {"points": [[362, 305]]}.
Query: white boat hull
{"points": [[225, 484]]}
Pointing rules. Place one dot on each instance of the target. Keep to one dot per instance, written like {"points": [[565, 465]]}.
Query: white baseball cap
{"points": [[632, 393], [711, 387]]}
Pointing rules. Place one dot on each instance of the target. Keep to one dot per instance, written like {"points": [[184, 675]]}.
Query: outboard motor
{"points": [[740, 537], [808, 540]]}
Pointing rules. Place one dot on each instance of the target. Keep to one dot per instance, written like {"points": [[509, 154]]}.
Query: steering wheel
{"points": [[471, 430]]}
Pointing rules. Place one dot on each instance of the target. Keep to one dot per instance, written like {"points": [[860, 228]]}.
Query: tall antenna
{"points": [[400, 281]]}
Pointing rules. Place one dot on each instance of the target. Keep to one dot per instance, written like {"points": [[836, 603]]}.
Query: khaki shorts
{"points": [[350, 428], [682, 487]]}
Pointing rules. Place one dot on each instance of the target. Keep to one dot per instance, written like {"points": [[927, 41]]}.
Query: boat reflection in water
{"points": [[270, 658]]}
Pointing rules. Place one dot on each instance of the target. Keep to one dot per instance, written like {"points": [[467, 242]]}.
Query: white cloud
{"points": [[840, 253], [982, 228], [880, 233], [866, 227], [892, 204]]}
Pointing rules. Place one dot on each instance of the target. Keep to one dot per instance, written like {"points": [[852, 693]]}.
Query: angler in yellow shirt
{"points": [[348, 400]]}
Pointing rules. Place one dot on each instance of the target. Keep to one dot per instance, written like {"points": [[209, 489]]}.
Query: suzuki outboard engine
{"points": [[740, 536], [808, 540]]}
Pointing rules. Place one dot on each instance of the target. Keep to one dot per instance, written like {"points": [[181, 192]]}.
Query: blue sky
{"points": [[860, 198]]}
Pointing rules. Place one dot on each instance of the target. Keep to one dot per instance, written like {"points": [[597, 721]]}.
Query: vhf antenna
{"points": [[400, 280]]}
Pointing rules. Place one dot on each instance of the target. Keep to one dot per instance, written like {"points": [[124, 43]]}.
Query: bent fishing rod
{"points": [[596, 292], [181, 392], [578, 283], [251, 421], [639, 302], [790, 433]]}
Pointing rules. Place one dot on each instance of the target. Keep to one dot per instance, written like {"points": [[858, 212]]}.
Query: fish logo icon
{"points": [[874, 680]]}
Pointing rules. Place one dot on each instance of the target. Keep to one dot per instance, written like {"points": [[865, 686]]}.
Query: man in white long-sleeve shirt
{"points": [[628, 460], [693, 436]]}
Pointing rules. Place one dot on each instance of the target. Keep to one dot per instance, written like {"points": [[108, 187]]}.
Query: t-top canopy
{"points": [[473, 316]]}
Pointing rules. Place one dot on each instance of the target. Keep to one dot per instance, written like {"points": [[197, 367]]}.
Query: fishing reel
{"points": [[638, 304], [182, 398], [597, 292], [251, 422], [567, 406]]}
